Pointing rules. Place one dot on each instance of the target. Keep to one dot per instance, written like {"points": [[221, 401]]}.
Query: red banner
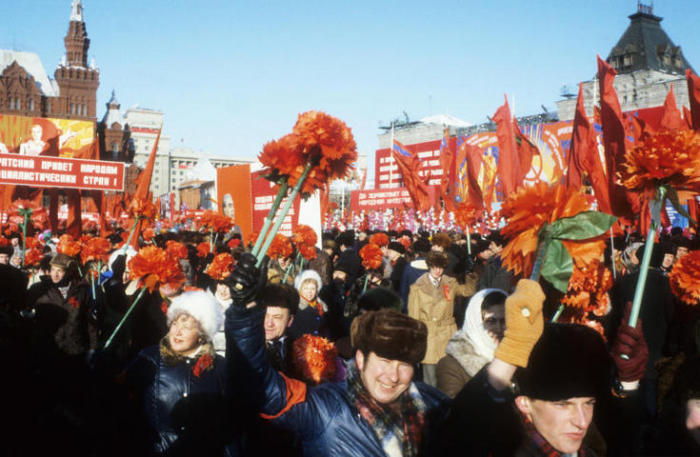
{"points": [[380, 199], [43, 171], [264, 194]]}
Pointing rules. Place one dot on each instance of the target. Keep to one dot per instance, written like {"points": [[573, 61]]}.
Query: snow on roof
{"points": [[32, 64], [445, 119], [203, 171]]}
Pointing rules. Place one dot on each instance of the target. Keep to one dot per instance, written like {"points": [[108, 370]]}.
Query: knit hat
{"points": [[305, 275], [200, 305], [569, 360], [62, 261], [390, 334], [396, 246]]}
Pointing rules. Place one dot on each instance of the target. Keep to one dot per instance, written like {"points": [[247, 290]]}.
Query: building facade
{"points": [[26, 89], [648, 64]]}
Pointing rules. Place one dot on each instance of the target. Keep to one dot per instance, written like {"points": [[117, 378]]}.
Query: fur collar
{"points": [[419, 264], [461, 349], [303, 304], [171, 357]]}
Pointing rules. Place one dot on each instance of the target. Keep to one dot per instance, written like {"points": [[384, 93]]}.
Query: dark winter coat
{"points": [[411, 273], [186, 414], [494, 275], [397, 273], [325, 420], [63, 323]]}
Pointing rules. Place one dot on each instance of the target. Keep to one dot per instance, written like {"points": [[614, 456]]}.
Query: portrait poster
{"points": [[233, 195]]}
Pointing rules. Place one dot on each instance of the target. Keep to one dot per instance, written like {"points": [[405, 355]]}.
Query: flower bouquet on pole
{"points": [[26, 211], [95, 252], [151, 268], [217, 225], [304, 239], [466, 215], [685, 278], [660, 166], [372, 260], [547, 226], [139, 209], [319, 149]]}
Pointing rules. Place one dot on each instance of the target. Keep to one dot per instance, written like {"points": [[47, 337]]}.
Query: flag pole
{"points": [[390, 158]]}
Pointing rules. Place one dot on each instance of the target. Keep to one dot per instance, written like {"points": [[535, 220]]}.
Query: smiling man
{"points": [[378, 411]]}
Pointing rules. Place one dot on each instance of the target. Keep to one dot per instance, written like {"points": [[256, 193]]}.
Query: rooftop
{"points": [[32, 64]]}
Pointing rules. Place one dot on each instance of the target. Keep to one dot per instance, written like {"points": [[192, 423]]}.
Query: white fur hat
{"points": [[200, 305], [130, 252], [308, 274]]}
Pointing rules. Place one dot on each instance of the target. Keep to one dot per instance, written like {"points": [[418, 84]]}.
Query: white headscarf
{"points": [[473, 325]]}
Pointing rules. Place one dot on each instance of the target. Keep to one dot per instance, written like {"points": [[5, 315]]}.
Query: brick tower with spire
{"points": [[77, 81]]}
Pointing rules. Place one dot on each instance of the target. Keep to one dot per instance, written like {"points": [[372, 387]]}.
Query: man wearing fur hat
{"points": [[378, 411], [431, 301], [563, 370]]}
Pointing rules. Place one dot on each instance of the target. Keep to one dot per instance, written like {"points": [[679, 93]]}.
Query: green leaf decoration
{"points": [[557, 266], [675, 201], [584, 225]]}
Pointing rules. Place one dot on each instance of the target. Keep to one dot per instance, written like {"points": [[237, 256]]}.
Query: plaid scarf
{"points": [[398, 427], [537, 441]]}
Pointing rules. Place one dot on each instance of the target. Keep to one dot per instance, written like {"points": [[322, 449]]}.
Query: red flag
{"points": [[408, 164], [143, 182], [470, 159], [584, 157], [526, 150], [74, 223], [694, 97], [613, 137], [687, 118], [447, 163], [671, 117], [508, 161]]}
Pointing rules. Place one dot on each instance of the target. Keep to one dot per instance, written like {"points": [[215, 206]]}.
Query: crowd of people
{"points": [[433, 349]]}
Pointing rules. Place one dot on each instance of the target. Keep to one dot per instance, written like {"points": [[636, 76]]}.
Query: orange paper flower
{"points": [[380, 239], [176, 249], [371, 256], [527, 211], [32, 257], [466, 215], [668, 157], [314, 358], [280, 247], [96, 249], [216, 222], [203, 249], [141, 208], [685, 278], [67, 246], [304, 239], [152, 267], [220, 268], [588, 289]]}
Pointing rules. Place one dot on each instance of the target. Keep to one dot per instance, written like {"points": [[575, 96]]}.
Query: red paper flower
{"points": [[252, 238], [67, 246], [203, 249], [280, 247], [32, 257], [216, 222], [73, 302], [148, 234], [220, 268], [685, 278], [234, 243], [371, 256], [446, 291], [466, 215], [314, 359], [141, 208], [203, 364], [304, 239], [527, 211], [405, 241], [4, 242], [667, 157], [380, 239], [153, 267], [96, 249], [176, 249]]}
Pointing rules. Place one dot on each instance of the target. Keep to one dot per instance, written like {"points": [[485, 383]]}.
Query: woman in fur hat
{"points": [[180, 383], [310, 318], [472, 347]]}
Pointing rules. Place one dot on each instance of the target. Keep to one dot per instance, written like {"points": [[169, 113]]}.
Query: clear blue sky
{"points": [[231, 75]]}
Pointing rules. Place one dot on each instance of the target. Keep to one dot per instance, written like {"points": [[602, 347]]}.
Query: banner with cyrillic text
{"points": [[44, 171]]}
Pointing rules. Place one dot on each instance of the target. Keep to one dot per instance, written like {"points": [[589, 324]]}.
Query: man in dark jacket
{"points": [[564, 370], [377, 411]]}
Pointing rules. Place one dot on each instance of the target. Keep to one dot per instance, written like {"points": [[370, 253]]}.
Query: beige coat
{"points": [[434, 306]]}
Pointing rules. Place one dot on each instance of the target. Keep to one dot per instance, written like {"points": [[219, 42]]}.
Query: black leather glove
{"points": [[118, 267], [246, 280]]}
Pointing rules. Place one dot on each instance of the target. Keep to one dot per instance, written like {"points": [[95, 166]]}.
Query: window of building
{"points": [[72, 109], [48, 106], [18, 102], [31, 104]]}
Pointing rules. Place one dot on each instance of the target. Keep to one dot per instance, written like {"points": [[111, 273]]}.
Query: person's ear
{"points": [[359, 360], [523, 404]]}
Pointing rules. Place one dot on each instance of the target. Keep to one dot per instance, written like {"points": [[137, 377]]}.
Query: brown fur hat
{"points": [[63, 261], [436, 259], [442, 239], [390, 334]]}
